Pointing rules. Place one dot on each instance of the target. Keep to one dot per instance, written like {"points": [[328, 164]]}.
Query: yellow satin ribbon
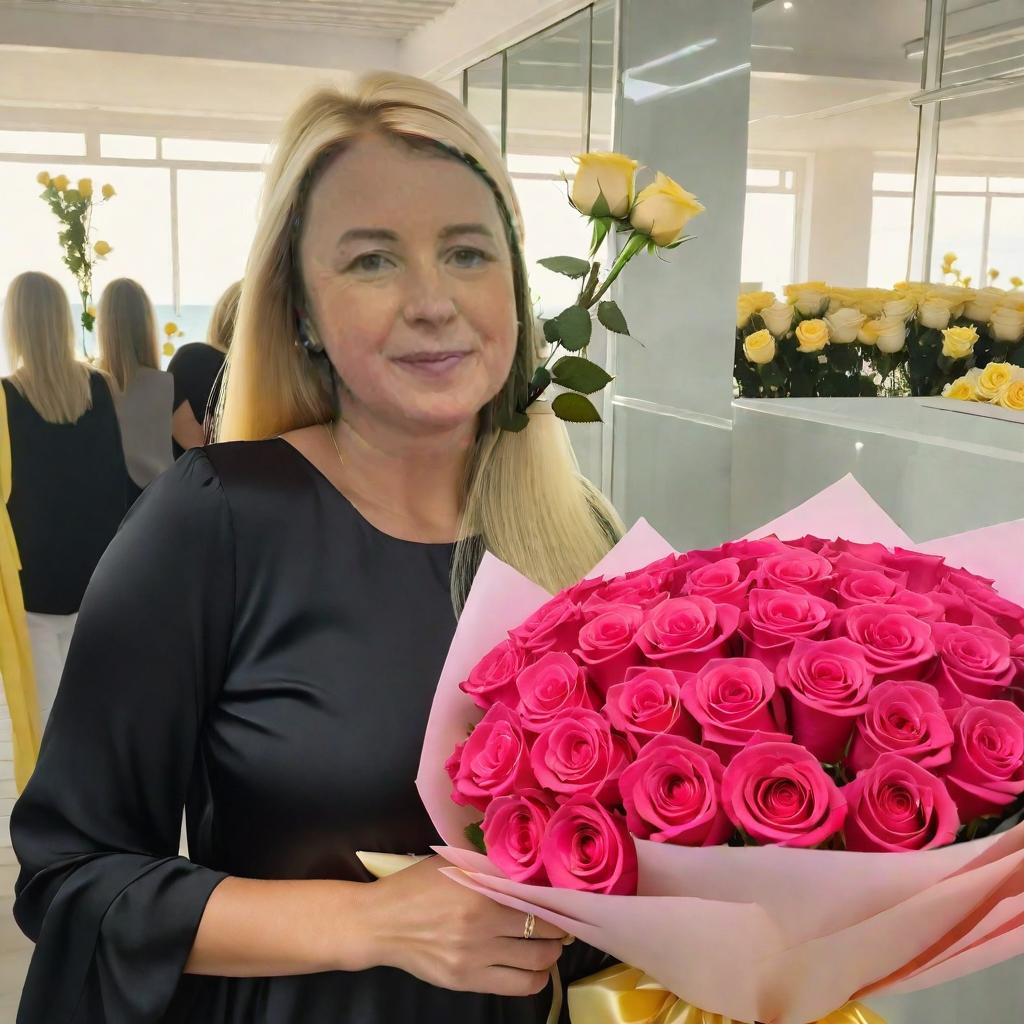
{"points": [[625, 995]]}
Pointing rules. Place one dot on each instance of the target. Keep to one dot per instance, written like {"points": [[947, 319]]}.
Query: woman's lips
{"points": [[433, 364]]}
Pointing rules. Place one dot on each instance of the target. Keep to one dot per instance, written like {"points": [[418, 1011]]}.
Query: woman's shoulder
{"points": [[195, 353]]}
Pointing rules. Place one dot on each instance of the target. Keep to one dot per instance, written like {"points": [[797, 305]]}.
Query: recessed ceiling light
{"points": [[788, 5]]}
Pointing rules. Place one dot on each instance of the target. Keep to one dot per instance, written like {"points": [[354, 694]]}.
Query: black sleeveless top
{"points": [[69, 492]]}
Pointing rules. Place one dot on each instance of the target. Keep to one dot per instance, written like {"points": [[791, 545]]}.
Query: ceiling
{"points": [[383, 18]]}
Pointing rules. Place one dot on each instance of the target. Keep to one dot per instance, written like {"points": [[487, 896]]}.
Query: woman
{"points": [[286, 603], [196, 369], [68, 478], [143, 393]]}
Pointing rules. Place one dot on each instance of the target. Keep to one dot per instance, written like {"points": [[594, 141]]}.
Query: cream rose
{"points": [[812, 335], [992, 380], [778, 318], [962, 390], [868, 333], [612, 175], [899, 308], [759, 347], [934, 313], [844, 325], [980, 307], [811, 302], [663, 210], [1007, 324], [959, 342], [892, 334]]}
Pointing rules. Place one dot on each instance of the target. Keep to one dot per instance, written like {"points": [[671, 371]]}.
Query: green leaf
{"points": [[514, 421], [575, 408], [541, 378], [772, 375], [580, 375], [574, 328], [475, 834], [600, 207], [551, 335], [611, 317], [570, 266]]}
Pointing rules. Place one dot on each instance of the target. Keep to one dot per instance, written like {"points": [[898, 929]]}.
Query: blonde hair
{"points": [[40, 337], [127, 331], [525, 499], [224, 317]]}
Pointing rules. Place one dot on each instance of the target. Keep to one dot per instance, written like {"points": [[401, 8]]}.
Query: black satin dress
{"points": [[253, 650]]}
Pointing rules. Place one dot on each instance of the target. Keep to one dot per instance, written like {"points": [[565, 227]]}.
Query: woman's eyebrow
{"points": [[385, 235]]}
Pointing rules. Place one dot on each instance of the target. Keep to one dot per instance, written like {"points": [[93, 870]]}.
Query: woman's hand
{"points": [[445, 934]]}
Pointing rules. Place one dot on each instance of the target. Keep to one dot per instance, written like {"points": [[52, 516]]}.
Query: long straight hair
{"points": [[127, 331], [524, 498], [223, 318], [40, 337]]}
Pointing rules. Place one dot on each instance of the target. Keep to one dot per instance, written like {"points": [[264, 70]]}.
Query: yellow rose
{"points": [[902, 307], [609, 174], [744, 311], [1016, 282], [959, 342], [1007, 324], [950, 258], [934, 313], [868, 333], [760, 347], [892, 334], [844, 325], [85, 187], [168, 349], [962, 390], [91, 311], [170, 329], [43, 177], [1012, 396], [60, 182], [993, 379], [812, 302], [793, 290], [993, 274], [663, 210], [102, 249], [812, 335], [778, 318], [108, 192]]}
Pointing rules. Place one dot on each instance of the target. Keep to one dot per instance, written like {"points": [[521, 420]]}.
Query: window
{"points": [[210, 150], [50, 143], [770, 226], [128, 147]]}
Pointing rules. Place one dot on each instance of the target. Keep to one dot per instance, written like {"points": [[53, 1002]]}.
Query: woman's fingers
{"points": [[513, 926], [526, 955], [507, 981]]}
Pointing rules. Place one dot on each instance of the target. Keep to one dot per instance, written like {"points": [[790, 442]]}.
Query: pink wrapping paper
{"points": [[770, 934]]}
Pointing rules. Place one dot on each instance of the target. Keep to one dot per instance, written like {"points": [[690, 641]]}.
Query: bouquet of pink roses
{"points": [[707, 763]]}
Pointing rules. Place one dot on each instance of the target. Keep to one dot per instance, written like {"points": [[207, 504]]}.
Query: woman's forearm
{"points": [[268, 928]]}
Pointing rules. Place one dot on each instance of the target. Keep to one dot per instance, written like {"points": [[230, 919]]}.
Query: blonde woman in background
{"points": [[262, 641], [69, 484], [143, 393], [196, 369]]}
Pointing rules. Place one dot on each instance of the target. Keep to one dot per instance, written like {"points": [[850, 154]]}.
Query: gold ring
{"points": [[531, 923]]}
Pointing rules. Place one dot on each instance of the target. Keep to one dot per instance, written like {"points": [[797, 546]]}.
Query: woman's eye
{"points": [[469, 258], [370, 262]]}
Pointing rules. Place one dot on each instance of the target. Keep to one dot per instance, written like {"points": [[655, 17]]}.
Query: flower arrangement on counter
{"points": [[916, 338], [999, 384]]}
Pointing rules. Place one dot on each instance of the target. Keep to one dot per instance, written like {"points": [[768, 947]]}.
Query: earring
{"points": [[306, 338]]}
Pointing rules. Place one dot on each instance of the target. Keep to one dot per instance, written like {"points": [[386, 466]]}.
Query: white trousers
{"points": [[49, 636]]}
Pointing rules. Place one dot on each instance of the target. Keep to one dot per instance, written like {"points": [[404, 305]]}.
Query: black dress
{"points": [[254, 650], [69, 491], [196, 369]]}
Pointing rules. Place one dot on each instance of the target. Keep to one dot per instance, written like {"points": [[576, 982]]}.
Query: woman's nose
{"points": [[429, 300]]}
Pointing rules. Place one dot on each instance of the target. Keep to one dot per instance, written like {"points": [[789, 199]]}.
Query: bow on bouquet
{"points": [[772, 778]]}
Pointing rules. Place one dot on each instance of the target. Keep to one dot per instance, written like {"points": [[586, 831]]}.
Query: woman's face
{"points": [[409, 278]]}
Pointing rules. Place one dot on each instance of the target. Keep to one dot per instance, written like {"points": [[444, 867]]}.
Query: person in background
{"points": [[143, 393], [69, 484], [196, 370]]}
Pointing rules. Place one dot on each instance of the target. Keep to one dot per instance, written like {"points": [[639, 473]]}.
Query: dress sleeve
{"points": [[112, 907], [177, 369]]}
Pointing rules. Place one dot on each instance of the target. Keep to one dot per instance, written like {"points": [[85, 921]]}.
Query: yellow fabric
{"points": [[624, 995], [15, 653]]}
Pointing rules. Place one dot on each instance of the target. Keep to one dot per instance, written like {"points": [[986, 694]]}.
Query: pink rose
{"points": [[513, 830], [588, 847], [672, 794], [848, 554], [495, 760], [980, 597], [921, 606], [687, 632], [451, 766], [865, 586], [987, 771], [555, 626], [644, 591], [493, 679], [607, 645], [752, 550], [549, 687], [722, 582], [973, 662], [576, 755], [903, 718], [895, 643], [808, 542], [734, 702], [796, 568], [775, 618], [649, 704], [828, 682], [674, 571], [924, 572], [578, 593], [778, 793], [896, 805]]}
